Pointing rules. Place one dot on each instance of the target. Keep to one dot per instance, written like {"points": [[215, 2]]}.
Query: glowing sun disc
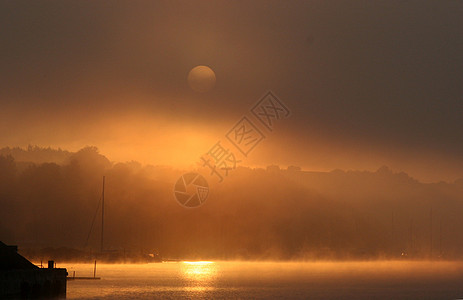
{"points": [[201, 79]]}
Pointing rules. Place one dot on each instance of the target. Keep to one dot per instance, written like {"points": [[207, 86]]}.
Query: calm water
{"points": [[317, 280]]}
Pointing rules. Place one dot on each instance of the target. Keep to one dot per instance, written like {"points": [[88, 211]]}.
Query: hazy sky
{"points": [[369, 83]]}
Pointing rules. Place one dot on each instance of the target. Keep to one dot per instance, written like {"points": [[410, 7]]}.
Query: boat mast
{"points": [[102, 216]]}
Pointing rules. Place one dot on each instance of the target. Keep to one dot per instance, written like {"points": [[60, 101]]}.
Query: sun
{"points": [[201, 79]]}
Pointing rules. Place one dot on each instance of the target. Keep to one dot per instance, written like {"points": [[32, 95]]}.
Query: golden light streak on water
{"points": [[199, 273]]}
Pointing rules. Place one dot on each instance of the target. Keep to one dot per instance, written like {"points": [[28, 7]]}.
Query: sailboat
{"points": [[102, 219], [116, 255]]}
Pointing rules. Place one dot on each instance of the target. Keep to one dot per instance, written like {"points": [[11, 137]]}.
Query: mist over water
{"points": [[264, 214], [297, 280]]}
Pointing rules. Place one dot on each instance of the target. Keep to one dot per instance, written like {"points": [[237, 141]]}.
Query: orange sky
{"points": [[368, 85]]}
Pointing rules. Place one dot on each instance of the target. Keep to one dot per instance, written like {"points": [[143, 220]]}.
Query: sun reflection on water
{"points": [[199, 274]]}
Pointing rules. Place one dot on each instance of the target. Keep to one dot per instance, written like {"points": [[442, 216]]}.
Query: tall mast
{"points": [[393, 247], [430, 219], [440, 237], [412, 246], [102, 215]]}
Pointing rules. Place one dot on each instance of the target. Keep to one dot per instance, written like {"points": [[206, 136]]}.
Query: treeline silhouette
{"points": [[35, 154], [253, 214]]}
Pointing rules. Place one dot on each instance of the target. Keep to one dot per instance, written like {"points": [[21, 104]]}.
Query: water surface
{"points": [[296, 280]]}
